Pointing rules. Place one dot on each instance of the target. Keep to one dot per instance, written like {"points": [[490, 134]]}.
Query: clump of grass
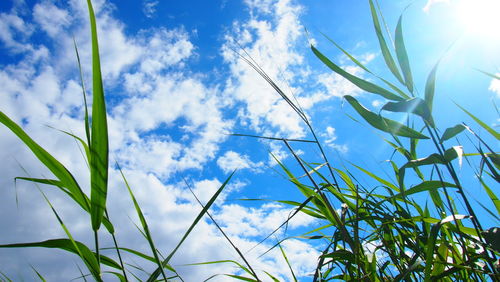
{"points": [[381, 232]]}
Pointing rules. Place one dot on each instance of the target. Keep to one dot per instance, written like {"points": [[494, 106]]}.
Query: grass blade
{"points": [[415, 106], [57, 168], [481, 123], [144, 225], [157, 272], [99, 134], [382, 123], [386, 53], [402, 56], [430, 86], [361, 83]]}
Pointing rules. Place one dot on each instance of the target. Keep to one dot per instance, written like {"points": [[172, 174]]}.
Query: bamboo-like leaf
{"points": [[361, 83], [157, 272], [415, 106], [386, 53], [99, 134], [481, 123], [452, 132], [382, 123], [402, 56], [361, 65], [430, 86]]}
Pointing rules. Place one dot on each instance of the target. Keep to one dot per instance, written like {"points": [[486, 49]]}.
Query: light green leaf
{"points": [[361, 83], [389, 61], [402, 56], [382, 123], [415, 106]]}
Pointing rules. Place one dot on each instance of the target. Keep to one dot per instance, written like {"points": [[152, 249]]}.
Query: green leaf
{"points": [[382, 123], [157, 272], [361, 83], [490, 74], [451, 132], [402, 56], [62, 173], [481, 123], [389, 61], [67, 245], [430, 86], [361, 65], [415, 106], [430, 185], [145, 226], [99, 134]]}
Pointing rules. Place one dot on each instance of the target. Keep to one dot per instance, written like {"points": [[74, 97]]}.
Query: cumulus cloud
{"points": [[232, 160], [331, 137]]}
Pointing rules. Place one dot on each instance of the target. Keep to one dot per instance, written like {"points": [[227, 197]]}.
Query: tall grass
{"points": [[368, 233], [97, 155]]}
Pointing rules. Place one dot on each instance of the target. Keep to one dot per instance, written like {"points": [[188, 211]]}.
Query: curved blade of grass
{"points": [[99, 134], [90, 259], [382, 123], [40, 276], [287, 262], [272, 277], [490, 74], [415, 106], [361, 83], [157, 272], [57, 168], [56, 183], [144, 225], [66, 245], [452, 132], [402, 56], [481, 123], [84, 93], [430, 86], [386, 53], [361, 65], [374, 176]]}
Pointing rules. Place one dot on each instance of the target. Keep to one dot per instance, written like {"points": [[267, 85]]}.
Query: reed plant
{"points": [[385, 231]]}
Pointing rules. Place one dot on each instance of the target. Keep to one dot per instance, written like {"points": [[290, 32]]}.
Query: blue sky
{"points": [[176, 89]]}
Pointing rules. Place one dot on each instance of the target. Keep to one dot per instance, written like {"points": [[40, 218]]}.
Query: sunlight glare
{"points": [[480, 18]]}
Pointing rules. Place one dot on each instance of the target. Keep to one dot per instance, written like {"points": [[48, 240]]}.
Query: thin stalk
{"points": [[118, 251], [98, 257], [451, 170]]}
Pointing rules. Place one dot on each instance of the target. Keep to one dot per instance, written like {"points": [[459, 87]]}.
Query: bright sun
{"points": [[480, 18]]}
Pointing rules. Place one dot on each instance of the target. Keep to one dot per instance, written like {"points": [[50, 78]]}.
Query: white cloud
{"points": [[495, 86], [232, 160], [149, 7], [50, 18], [331, 137]]}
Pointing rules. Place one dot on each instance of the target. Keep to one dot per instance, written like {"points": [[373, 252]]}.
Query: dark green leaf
{"points": [[452, 132]]}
